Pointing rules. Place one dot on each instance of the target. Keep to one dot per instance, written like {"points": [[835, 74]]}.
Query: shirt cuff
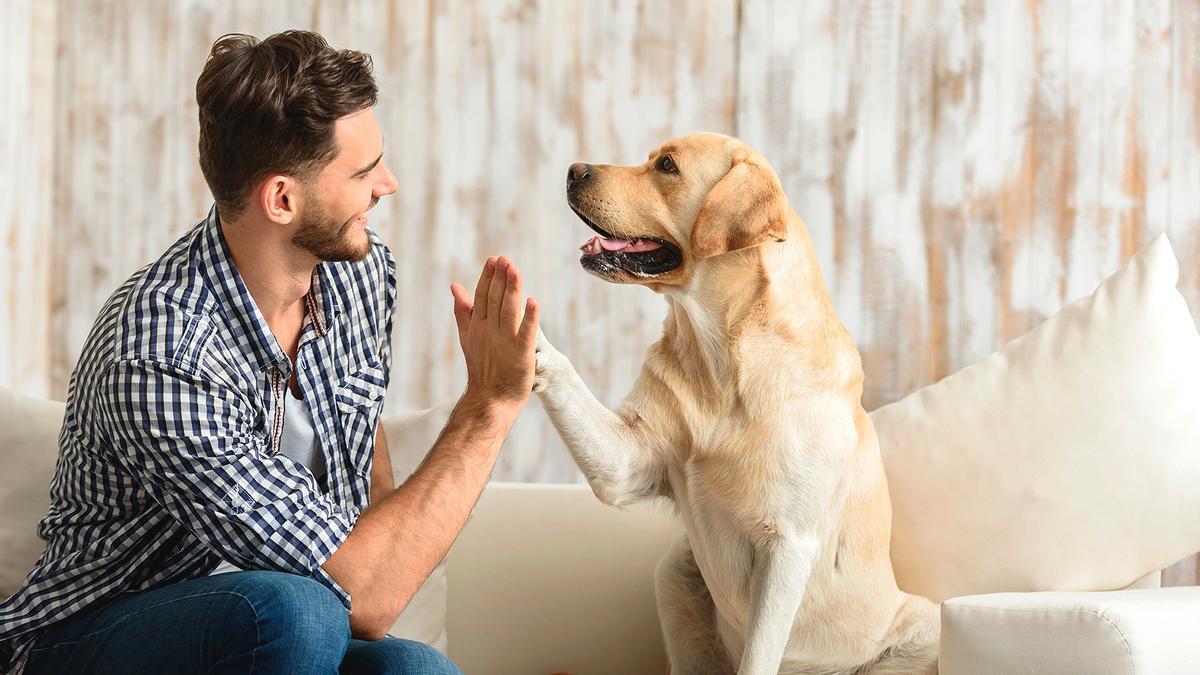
{"points": [[327, 528]]}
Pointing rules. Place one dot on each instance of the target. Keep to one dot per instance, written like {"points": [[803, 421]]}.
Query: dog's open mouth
{"points": [[608, 254]]}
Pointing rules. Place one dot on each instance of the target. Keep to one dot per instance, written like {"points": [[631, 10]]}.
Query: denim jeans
{"points": [[239, 622]]}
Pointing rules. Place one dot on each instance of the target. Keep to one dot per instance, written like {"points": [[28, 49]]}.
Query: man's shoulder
{"points": [[161, 307]]}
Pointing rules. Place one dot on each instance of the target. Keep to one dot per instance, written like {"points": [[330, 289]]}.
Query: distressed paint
{"points": [[26, 192], [965, 166]]}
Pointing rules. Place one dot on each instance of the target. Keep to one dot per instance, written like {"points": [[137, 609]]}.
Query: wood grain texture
{"points": [[965, 166], [27, 105]]}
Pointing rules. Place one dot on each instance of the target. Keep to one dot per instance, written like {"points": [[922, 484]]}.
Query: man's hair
{"points": [[270, 106]]}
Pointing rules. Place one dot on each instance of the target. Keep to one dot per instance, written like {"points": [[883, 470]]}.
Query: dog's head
{"points": [[695, 197]]}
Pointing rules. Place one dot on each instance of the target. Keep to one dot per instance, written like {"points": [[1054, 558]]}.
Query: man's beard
{"points": [[326, 238]]}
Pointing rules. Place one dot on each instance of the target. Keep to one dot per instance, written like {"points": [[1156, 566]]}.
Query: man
{"points": [[223, 499]]}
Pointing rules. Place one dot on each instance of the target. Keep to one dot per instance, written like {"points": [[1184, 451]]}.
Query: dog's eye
{"points": [[666, 164]]}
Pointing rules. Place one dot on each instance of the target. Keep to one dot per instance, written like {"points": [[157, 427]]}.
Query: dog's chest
{"points": [[745, 478], [762, 465]]}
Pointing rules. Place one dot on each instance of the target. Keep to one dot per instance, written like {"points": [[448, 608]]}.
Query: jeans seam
{"points": [[257, 635], [164, 603]]}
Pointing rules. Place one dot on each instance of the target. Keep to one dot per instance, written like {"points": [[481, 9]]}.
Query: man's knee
{"points": [[395, 655], [293, 610]]}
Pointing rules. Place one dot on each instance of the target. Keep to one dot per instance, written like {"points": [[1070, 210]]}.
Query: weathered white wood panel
{"points": [[26, 193], [965, 166]]}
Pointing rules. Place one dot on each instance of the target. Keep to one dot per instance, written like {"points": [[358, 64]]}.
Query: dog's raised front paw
{"points": [[549, 363]]}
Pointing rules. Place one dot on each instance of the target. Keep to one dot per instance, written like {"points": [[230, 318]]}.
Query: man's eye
{"points": [[666, 164]]}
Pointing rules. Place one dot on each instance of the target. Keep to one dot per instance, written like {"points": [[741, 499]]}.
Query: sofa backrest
{"points": [[546, 578], [29, 445]]}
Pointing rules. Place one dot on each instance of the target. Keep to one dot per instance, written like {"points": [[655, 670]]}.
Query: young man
{"points": [[223, 499]]}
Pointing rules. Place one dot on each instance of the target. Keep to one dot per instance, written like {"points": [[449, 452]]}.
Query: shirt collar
{"points": [[251, 333]]}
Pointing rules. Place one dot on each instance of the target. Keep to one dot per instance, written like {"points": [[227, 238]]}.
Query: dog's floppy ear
{"points": [[745, 208]]}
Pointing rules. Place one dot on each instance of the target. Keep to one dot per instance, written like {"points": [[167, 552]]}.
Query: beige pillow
{"points": [[29, 445], [410, 435], [1068, 460]]}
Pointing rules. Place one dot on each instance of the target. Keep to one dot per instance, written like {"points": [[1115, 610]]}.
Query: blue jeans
{"points": [[239, 622]]}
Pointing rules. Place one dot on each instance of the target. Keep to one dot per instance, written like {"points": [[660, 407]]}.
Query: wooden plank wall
{"points": [[27, 107], [965, 166]]}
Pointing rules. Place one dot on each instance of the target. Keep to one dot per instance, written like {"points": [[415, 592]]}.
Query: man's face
{"points": [[334, 218]]}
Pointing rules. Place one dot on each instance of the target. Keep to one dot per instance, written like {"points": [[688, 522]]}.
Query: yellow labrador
{"points": [[747, 414]]}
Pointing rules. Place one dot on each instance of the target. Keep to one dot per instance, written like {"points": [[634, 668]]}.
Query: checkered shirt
{"points": [[169, 452]]}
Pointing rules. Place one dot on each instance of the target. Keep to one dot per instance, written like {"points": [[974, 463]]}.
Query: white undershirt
{"points": [[299, 442]]}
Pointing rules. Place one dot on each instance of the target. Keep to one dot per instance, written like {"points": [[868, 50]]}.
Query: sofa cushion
{"points": [[1144, 631], [547, 578], [29, 444], [1067, 460]]}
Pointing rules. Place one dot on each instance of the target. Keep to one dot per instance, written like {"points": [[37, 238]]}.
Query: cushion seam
{"points": [[1128, 648]]}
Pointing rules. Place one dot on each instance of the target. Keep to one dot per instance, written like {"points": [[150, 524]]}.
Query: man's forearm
{"points": [[398, 541]]}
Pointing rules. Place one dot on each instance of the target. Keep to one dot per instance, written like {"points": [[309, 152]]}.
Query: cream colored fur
{"points": [[747, 415]]}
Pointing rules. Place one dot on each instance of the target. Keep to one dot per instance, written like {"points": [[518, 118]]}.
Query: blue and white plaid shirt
{"points": [[168, 456]]}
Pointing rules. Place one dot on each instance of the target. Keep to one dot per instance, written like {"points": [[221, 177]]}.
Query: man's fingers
{"points": [[510, 304], [462, 308], [479, 309], [496, 290], [528, 331]]}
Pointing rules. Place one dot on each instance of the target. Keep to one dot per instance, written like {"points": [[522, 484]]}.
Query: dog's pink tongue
{"points": [[596, 244]]}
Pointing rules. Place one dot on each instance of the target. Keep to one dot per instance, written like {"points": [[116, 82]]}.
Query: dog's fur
{"points": [[747, 415]]}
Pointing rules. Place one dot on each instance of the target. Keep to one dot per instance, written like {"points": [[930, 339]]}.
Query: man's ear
{"points": [[278, 198], [745, 208]]}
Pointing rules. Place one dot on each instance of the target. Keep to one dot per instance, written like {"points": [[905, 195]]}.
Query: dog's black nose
{"points": [[578, 172]]}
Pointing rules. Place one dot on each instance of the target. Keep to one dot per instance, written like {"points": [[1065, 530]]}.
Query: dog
{"points": [[747, 415]]}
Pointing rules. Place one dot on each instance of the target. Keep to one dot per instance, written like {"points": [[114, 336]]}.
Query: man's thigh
{"points": [[236, 622], [395, 656]]}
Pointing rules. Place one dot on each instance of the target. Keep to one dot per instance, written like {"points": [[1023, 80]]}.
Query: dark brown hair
{"points": [[269, 107]]}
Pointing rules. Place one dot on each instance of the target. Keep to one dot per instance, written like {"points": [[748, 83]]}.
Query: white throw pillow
{"points": [[1068, 460], [410, 435]]}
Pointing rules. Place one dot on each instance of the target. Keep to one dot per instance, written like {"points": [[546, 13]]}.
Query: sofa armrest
{"points": [[1128, 631], [546, 578]]}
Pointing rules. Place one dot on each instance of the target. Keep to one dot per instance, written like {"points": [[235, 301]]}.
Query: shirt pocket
{"points": [[359, 402]]}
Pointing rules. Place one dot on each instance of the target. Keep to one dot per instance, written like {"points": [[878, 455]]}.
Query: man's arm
{"points": [[398, 540]]}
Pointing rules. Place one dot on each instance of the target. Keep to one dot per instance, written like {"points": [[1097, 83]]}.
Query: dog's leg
{"points": [[778, 577], [609, 451], [687, 614], [913, 641]]}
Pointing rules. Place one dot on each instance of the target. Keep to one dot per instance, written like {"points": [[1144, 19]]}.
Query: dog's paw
{"points": [[549, 363]]}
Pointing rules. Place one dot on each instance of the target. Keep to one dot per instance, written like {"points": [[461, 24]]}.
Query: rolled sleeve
{"points": [[190, 442]]}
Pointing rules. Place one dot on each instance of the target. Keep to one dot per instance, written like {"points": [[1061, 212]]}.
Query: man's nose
{"points": [[578, 173], [389, 185]]}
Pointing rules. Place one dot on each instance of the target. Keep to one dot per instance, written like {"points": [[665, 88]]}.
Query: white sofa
{"points": [[545, 578]]}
